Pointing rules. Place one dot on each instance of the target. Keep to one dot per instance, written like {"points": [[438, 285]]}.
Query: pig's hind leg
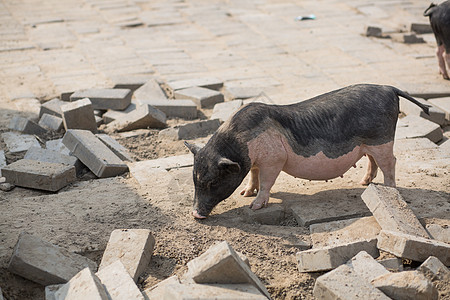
{"points": [[385, 159], [371, 173], [253, 183], [442, 57], [267, 178]]}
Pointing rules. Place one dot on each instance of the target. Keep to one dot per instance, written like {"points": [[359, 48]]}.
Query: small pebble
{"points": [[6, 187]]}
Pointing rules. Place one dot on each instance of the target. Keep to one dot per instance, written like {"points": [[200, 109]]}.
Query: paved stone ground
{"points": [[51, 47]]}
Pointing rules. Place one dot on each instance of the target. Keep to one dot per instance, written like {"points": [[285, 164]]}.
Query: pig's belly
{"points": [[320, 167]]}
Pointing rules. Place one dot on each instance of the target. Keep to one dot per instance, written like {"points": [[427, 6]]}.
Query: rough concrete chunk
{"points": [[190, 130], [413, 247], [366, 266], [51, 122], [221, 264], [421, 28], [2, 161], [212, 291], [117, 99], [57, 145], [343, 231], [392, 264], [53, 156], [180, 108], [112, 115], [39, 175], [26, 126], [44, 263], [156, 292], [202, 97], [134, 248], [406, 285], [52, 107], [93, 153], [115, 147], [345, 283], [206, 82], [144, 116], [435, 115], [50, 291], [118, 283], [374, 31], [440, 232], [223, 111], [444, 104], [270, 215], [412, 39], [131, 82], [435, 267], [17, 143], [391, 211], [411, 127], [327, 258], [84, 285], [79, 115], [150, 91]]}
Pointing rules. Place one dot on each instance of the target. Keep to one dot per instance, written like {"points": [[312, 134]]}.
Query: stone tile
{"points": [[53, 156], [84, 285], [79, 115], [271, 215], [190, 130], [115, 147], [203, 97], [435, 115], [205, 82], [26, 126], [223, 111], [112, 115], [411, 127], [180, 108], [144, 116], [165, 163], [443, 104], [212, 291], [51, 122], [57, 145], [392, 264], [440, 231], [157, 291], [117, 99], [366, 266], [149, 91], [434, 266]]}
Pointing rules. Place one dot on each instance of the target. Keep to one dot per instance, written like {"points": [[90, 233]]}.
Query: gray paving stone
{"points": [[144, 116], [53, 156], [2, 161], [421, 92], [26, 126], [39, 175], [221, 264], [374, 31], [57, 145], [150, 91], [412, 39], [270, 215], [391, 211], [180, 108], [50, 291], [79, 115], [205, 82], [112, 115], [52, 107], [406, 285], [93, 153], [345, 283], [117, 99], [17, 143], [411, 127], [134, 248], [51, 122], [443, 104], [131, 82], [115, 147], [44, 263], [366, 266], [434, 266], [440, 232], [223, 111], [330, 257], [203, 97], [436, 115], [212, 291], [235, 92], [191, 130], [118, 283], [392, 264], [421, 28], [413, 247], [84, 285]]}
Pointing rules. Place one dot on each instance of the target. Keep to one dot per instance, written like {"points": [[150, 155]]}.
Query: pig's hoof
{"points": [[197, 215], [248, 192], [258, 204]]}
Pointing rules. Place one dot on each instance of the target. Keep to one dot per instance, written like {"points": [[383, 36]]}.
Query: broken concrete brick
{"points": [[411, 127], [39, 175], [44, 263], [421, 28], [412, 39], [343, 231], [118, 283], [115, 147], [53, 156], [206, 82], [434, 266], [224, 111], [180, 108], [79, 115], [134, 248], [406, 285], [221, 264], [144, 116], [439, 232], [50, 291], [156, 292], [149, 91], [413, 247], [202, 97], [366, 266], [237, 92], [167, 163], [117, 99], [57, 145], [327, 258], [435, 115], [392, 264], [112, 115], [84, 285], [345, 283], [131, 82], [270, 215], [93, 153], [51, 122], [26, 126], [444, 104], [374, 31], [212, 291], [408, 145], [190, 130], [2, 161], [17, 143], [391, 211], [52, 107], [147, 177]]}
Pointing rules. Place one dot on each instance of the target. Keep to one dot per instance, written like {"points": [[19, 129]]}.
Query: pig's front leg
{"points": [[253, 183], [267, 177]]}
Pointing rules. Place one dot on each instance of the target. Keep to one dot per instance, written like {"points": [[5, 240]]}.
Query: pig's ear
{"points": [[229, 166], [194, 148]]}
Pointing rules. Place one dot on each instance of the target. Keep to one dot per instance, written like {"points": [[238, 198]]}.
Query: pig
{"points": [[440, 23], [317, 139]]}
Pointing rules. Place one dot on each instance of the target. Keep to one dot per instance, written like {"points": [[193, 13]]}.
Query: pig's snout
{"points": [[197, 215]]}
